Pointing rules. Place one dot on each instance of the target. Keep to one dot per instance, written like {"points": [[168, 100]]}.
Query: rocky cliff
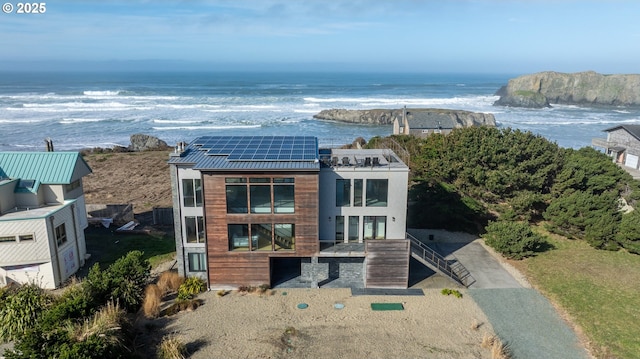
{"points": [[385, 117], [583, 88]]}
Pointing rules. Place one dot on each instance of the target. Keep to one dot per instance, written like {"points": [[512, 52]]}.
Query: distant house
{"points": [[422, 124], [622, 144], [253, 210], [42, 217]]}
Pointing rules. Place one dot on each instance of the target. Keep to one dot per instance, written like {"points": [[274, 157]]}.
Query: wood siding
{"points": [[236, 268], [387, 263]]}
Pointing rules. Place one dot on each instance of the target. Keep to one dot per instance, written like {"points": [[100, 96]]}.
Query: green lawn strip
{"points": [[109, 246], [599, 289]]}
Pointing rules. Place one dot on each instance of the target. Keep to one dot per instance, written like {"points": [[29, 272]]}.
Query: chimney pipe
{"points": [[48, 144]]}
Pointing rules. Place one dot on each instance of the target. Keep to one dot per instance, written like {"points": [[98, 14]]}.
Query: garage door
{"points": [[631, 161]]}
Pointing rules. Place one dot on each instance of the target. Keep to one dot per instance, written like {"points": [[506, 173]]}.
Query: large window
{"points": [[194, 229], [61, 235], [261, 237], [357, 192], [375, 227], [197, 262], [343, 192], [377, 190], [262, 233], [283, 195], [339, 228], [354, 223], [260, 199], [284, 236], [192, 192], [239, 237], [265, 195], [237, 199]]}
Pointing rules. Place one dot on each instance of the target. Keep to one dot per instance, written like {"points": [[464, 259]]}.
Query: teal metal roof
{"points": [[45, 167]]}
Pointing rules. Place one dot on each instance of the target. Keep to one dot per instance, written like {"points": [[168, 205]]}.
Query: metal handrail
{"points": [[462, 275]]}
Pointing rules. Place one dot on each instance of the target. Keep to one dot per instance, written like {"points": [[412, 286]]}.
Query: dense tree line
{"points": [[476, 175]]}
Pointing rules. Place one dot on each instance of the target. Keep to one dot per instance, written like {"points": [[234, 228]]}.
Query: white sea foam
{"points": [[67, 121], [21, 120], [101, 93], [186, 107], [402, 101], [168, 128], [177, 121]]}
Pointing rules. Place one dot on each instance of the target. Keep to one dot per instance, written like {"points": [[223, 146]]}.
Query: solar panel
{"points": [[260, 148]]}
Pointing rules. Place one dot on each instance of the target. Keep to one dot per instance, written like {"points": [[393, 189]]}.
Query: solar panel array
{"points": [[260, 148]]}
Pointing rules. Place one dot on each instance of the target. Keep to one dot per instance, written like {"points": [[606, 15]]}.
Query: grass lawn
{"points": [[599, 289], [106, 246]]}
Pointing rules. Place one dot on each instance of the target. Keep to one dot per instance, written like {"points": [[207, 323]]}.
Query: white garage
{"points": [[631, 161]]}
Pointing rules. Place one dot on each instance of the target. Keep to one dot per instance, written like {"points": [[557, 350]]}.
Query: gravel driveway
{"points": [[528, 323]]}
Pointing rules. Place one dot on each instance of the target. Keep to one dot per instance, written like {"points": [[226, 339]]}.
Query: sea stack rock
{"points": [[583, 88], [141, 142], [386, 117]]}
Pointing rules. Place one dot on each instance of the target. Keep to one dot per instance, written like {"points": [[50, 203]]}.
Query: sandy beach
{"points": [[272, 326]]}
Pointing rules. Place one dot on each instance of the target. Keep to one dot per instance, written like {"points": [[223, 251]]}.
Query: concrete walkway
{"points": [[523, 318], [487, 271]]}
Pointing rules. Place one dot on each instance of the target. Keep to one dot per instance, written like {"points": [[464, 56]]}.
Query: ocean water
{"points": [[82, 110]]}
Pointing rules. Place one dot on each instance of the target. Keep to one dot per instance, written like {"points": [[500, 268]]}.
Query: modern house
{"points": [[42, 217], [254, 210], [622, 144]]}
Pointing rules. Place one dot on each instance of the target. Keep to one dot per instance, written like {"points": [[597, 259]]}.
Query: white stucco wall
{"points": [[396, 205]]}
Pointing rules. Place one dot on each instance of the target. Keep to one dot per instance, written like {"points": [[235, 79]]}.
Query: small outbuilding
{"points": [[42, 217]]}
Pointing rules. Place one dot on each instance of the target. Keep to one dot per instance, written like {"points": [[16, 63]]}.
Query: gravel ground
{"points": [[528, 323]]}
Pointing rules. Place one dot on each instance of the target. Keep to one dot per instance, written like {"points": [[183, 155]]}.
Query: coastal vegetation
{"points": [[475, 175], [525, 194], [88, 320]]}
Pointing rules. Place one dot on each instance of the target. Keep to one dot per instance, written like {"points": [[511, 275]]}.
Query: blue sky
{"points": [[489, 36]]}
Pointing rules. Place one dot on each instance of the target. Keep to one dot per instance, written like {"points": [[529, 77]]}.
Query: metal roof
{"points": [[45, 167], [250, 153]]}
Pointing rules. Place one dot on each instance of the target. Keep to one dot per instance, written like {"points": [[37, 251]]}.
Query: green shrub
{"points": [[21, 309], [190, 288], [129, 275], [124, 281], [513, 240], [628, 235], [74, 303], [456, 293]]}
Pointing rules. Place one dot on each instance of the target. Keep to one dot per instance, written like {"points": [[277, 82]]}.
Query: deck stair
{"points": [[450, 268]]}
